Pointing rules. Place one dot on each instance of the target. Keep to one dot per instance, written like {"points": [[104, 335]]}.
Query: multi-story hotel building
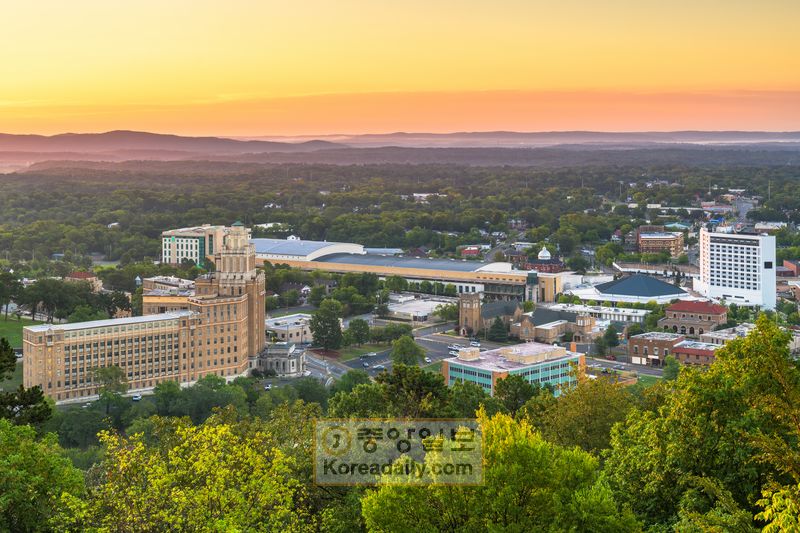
{"points": [[216, 329], [197, 243], [737, 268]]}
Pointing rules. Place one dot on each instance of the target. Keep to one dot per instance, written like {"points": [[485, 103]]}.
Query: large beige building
{"points": [[215, 329]]}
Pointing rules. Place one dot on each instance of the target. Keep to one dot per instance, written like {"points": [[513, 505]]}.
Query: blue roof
{"points": [[289, 247], [403, 262], [640, 285]]}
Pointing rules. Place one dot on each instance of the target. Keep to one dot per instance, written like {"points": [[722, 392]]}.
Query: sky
{"points": [[312, 67]]}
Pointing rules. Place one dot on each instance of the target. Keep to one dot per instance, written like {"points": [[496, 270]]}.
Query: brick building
{"points": [[693, 318]]}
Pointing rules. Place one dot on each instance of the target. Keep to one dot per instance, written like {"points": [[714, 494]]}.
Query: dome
{"points": [[544, 254]]}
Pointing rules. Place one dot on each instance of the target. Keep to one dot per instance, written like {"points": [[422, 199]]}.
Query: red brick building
{"points": [[693, 318]]}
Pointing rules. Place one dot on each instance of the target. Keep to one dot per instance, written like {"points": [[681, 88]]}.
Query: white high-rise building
{"points": [[737, 268]]}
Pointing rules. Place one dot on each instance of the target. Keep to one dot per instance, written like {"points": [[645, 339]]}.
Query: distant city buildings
{"points": [[542, 364], [737, 268], [215, 327]]}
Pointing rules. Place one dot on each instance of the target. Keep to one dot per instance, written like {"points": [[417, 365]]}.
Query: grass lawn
{"points": [[15, 381], [434, 367], [12, 330], [646, 380], [351, 352]]}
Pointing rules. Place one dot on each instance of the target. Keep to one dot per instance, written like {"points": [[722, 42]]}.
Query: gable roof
{"points": [[542, 315], [499, 308], [705, 308], [640, 285]]}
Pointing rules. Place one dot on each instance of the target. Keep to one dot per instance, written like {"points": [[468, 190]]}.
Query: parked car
{"points": [[136, 397], [371, 354], [454, 347], [454, 353], [475, 344], [365, 364], [379, 367], [268, 386], [428, 360]]}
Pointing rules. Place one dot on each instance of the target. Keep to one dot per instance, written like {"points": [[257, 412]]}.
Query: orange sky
{"points": [[249, 67]]}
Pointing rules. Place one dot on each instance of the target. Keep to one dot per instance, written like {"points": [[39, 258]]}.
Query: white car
{"points": [[136, 397], [454, 346], [371, 354], [268, 386], [428, 360], [454, 353], [475, 344]]}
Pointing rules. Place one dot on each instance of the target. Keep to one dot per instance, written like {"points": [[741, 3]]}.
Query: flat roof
{"points": [[697, 345], [287, 320], [659, 235], [731, 333], [658, 335], [172, 315], [495, 361], [290, 246], [455, 265], [578, 308]]}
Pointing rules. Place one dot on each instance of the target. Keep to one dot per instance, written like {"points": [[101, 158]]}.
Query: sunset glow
{"points": [[270, 68]]}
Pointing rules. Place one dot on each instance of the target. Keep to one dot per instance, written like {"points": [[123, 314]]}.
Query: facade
{"points": [[475, 315], [85, 277], [652, 348], [196, 243], [693, 318], [655, 240], [549, 326], [215, 329], [537, 363], [291, 328], [545, 262], [737, 268], [600, 312], [286, 359]]}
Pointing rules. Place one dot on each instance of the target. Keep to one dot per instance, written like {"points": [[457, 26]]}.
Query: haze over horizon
{"points": [[316, 68]]}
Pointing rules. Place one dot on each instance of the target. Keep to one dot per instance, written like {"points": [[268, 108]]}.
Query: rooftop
{"points": [[82, 275], [299, 247], [696, 346], [640, 285], [658, 336], [496, 361], [731, 333], [578, 308], [173, 315], [687, 306], [288, 320], [455, 265], [659, 235]]}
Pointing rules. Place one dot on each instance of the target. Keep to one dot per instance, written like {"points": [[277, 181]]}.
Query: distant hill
{"points": [[513, 139], [142, 143]]}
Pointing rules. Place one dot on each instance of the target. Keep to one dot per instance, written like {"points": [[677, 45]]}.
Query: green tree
{"points": [[215, 476], [112, 383], [21, 406], [514, 391], [523, 476], [325, 326], [406, 352], [447, 312], [414, 392], [10, 288], [611, 336], [582, 416], [34, 475], [498, 331], [8, 361], [396, 283], [349, 380], [671, 368], [359, 331]]}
